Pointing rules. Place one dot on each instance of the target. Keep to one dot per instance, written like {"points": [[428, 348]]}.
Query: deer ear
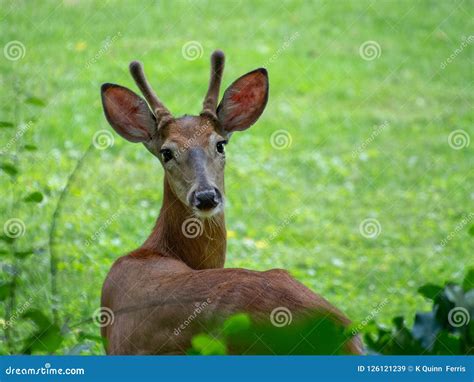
{"points": [[244, 101], [127, 113]]}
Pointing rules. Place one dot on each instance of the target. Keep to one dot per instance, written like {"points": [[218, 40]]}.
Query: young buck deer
{"points": [[155, 289]]}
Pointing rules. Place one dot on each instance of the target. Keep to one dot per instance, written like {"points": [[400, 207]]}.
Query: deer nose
{"points": [[206, 199]]}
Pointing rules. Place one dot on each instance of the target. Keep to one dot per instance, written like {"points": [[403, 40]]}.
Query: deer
{"points": [[154, 288]]}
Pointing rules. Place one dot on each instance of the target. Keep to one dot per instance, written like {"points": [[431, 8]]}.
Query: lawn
{"points": [[369, 117]]}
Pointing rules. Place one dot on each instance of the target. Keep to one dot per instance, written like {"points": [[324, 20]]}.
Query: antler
{"points": [[160, 111], [209, 105]]}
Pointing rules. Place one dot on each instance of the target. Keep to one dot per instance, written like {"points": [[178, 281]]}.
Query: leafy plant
{"points": [[46, 338], [239, 334], [14, 228], [446, 330]]}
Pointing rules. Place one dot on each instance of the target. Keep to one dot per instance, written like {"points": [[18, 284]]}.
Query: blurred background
{"points": [[357, 178]]}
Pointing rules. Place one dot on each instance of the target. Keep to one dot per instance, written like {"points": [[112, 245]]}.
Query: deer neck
{"points": [[200, 243]]}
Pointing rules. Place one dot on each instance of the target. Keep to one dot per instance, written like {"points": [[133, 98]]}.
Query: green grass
{"points": [[322, 93]]}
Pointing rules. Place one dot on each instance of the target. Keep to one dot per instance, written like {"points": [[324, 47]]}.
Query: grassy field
{"points": [[369, 117]]}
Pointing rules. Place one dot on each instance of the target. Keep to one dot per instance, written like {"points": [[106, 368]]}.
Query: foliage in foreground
{"points": [[240, 335], [447, 329]]}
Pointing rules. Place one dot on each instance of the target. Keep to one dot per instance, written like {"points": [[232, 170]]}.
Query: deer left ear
{"points": [[127, 113], [244, 101]]}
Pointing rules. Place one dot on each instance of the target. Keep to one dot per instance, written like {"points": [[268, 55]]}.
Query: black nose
{"points": [[206, 199]]}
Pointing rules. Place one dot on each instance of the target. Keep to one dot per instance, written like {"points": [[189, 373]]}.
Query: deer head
{"points": [[190, 148]]}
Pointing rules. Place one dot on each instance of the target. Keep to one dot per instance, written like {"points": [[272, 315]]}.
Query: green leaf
{"points": [[399, 322], [4, 290], [4, 252], [447, 344], [471, 230], [9, 169], [23, 254], [7, 239], [30, 147], [4, 124], [206, 345], [468, 282], [92, 337], [44, 341], [469, 298], [39, 318], [237, 323], [430, 291], [34, 197], [35, 101], [425, 328], [455, 294]]}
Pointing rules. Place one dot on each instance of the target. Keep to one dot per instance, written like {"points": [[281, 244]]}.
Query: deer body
{"points": [[155, 289]]}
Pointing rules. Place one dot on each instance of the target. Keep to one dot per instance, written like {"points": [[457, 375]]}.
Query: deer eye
{"points": [[220, 146], [166, 155]]}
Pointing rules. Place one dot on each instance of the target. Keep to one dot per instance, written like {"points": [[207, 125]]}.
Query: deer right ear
{"points": [[128, 113], [244, 101]]}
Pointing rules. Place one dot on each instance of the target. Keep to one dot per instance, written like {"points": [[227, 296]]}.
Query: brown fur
{"points": [[154, 289]]}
